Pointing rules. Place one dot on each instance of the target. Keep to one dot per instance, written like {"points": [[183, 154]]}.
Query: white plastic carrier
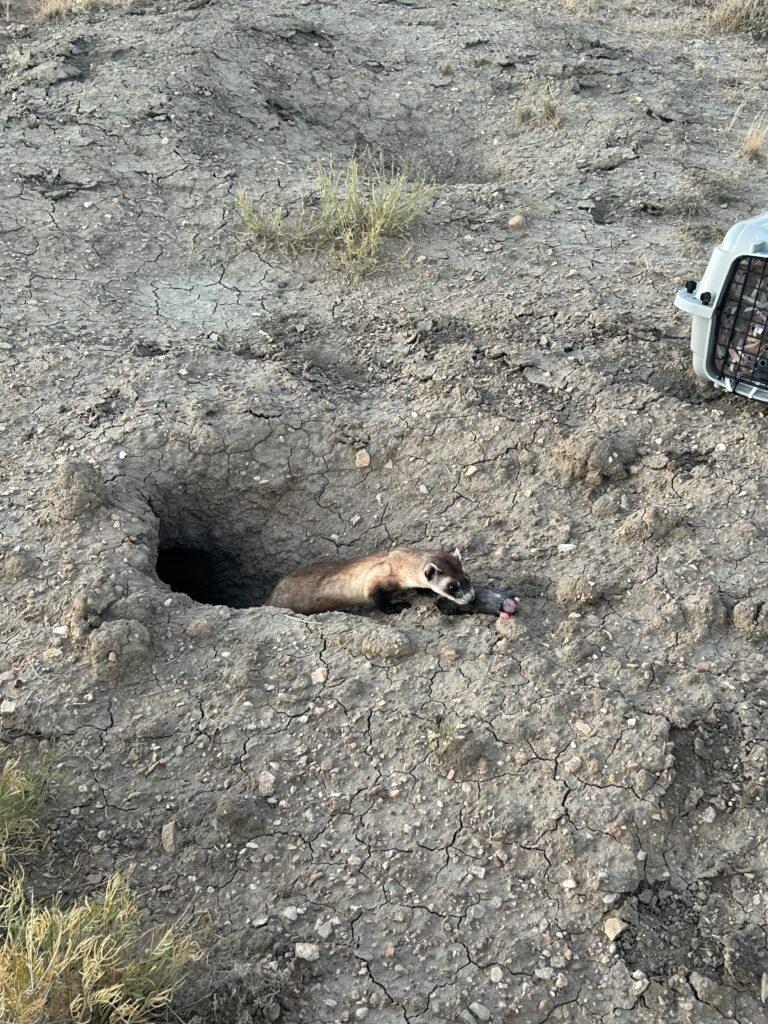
{"points": [[729, 309]]}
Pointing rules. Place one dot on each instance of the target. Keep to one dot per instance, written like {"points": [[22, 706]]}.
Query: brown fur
{"points": [[331, 586]]}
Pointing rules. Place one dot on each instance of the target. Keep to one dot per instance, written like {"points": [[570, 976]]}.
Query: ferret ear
{"points": [[429, 570], [457, 554]]}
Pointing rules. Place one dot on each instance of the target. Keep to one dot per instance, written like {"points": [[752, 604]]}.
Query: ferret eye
{"points": [[452, 587]]}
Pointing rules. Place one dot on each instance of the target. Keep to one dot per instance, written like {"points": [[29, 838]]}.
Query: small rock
{"points": [[480, 1011], [574, 593], [386, 645], [266, 783], [496, 974], [307, 951], [7, 707], [168, 836], [561, 981], [709, 814], [516, 222], [319, 675], [362, 459], [545, 973], [764, 988], [569, 883], [613, 927], [324, 929], [583, 728], [572, 764]]}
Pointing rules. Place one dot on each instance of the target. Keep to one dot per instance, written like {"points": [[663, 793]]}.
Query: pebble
{"points": [[324, 929], [362, 459], [60, 630], [764, 988], [168, 836], [583, 728], [266, 783], [572, 764], [709, 814], [319, 675], [307, 951], [497, 974], [7, 707], [545, 973], [569, 883], [613, 927], [516, 222], [480, 1011]]}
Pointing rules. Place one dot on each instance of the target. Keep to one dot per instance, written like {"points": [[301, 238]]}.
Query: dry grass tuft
{"points": [[357, 206], [541, 110], [550, 112], [49, 10], [753, 143], [21, 793], [741, 16], [90, 964]]}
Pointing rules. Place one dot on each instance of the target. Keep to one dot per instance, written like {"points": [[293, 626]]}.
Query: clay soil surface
{"points": [[411, 818]]}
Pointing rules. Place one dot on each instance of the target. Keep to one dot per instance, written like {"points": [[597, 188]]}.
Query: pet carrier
{"points": [[729, 308]]}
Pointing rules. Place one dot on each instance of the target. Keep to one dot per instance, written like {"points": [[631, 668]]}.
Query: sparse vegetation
{"points": [[542, 110], [753, 143], [357, 207], [50, 9], [21, 793], [47, 10], [525, 113], [741, 16], [550, 112], [93, 963]]}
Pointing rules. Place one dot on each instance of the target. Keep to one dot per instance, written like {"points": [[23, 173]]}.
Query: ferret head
{"points": [[445, 575]]}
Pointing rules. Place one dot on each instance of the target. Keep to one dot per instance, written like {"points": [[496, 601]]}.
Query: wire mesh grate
{"points": [[740, 350]]}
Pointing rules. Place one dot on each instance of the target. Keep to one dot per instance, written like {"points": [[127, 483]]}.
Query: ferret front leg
{"points": [[382, 600]]}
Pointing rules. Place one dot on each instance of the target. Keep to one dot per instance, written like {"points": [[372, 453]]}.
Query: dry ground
{"points": [[423, 818]]}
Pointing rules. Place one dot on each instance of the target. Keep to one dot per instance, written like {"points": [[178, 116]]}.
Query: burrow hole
{"points": [[212, 559]]}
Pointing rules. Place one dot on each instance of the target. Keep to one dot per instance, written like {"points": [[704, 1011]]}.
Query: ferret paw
{"points": [[395, 607]]}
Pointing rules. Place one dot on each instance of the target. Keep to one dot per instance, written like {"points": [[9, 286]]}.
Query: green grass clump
{"points": [[92, 963], [741, 16], [356, 207], [21, 794]]}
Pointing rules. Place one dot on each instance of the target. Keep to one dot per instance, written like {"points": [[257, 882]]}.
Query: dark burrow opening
{"points": [[206, 576], [193, 560]]}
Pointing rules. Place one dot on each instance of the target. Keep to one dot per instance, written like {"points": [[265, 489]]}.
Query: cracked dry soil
{"points": [[442, 816]]}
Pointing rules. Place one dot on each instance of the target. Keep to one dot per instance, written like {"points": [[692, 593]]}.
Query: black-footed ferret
{"points": [[373, 579]]}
